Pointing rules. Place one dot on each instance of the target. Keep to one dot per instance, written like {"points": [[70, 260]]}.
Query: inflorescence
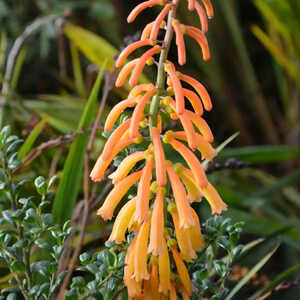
{"points": [[155, 267]]}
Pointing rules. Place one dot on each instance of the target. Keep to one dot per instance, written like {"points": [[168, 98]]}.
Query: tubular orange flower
{"points": [[186, 175], [189, 131], [201, 90], [194, 100], [139, 8], [183, 207], [183, 238], [131, 48], [192, 161], [178, 90], [116, 112], [202, 126], [101, 165], [164, 269], [173, 295], [200, 38], [117, 193], [122, 221], [159, 123], [125, 72], [157, 23], [138, 89], [141, 64], [192, 4], [159, 155], [179, 42], [202, 16], [195, 234], [157, 225], [143, 193], [134, 288], [209, 8], [140, 255], [151, 286], [126, 165], [182, 271], [215, 201], [147, 31], [114, 139], [139, 112]]}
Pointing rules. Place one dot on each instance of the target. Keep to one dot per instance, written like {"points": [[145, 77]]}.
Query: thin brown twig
{"points": [[107, 88]]}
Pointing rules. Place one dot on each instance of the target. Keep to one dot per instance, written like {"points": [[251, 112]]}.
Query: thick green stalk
{"points": [[161, 75]]}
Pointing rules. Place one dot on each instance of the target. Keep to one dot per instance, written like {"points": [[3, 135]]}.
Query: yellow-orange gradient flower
{"points": [[215, 201], [209, 8], [184, 210], [159, 155], [157, 225], [117, 193], [122, 221], [164, 269], [195, 234], [139, 8], [183, 236], [125, 71], [140, 255], [143, 193], [182, 271]]}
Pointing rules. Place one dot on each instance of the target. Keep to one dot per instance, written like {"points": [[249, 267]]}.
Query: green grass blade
{"points": [[27, 146], [279, 278], [18, 68], [79, 82], [262, 154], [70, 182], [254, 270]]}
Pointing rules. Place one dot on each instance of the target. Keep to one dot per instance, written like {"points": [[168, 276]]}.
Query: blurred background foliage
{"points": [[253, 77]]}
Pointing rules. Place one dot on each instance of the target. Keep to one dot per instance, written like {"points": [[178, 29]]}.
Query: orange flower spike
{"points": [[192, 4], [117, 193], [157, 225], [192, 161], [116, 112], [194, 194], [159, 155], [183, 207], [202, 126], [182, 271], [131, 48], [125, 71], [178, 90], [138, 112], [139, 8], [143, 192], [202, 16], [179, 42], [194, 100], [158, 21], [189, 131], [215, 201], [200, 38], [196, 236], [138, 69], [138, 89], [183, 237], [209, 8], [114, 139], [201, 90], [126, 166], [164, 269], [140, 256], [147, 31], [122, 221]]}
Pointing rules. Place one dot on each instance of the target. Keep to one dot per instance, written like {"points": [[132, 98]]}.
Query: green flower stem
{"points": [[161, 75]]}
